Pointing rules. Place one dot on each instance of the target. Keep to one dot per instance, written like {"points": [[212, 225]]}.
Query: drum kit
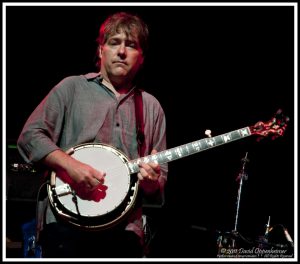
{"points": [[276, 241]]}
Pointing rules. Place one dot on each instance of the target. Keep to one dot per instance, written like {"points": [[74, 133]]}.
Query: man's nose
{"points": [[122, 50]]}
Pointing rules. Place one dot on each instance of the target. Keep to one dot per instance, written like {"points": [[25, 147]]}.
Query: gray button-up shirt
{"points": [[80, 109]]}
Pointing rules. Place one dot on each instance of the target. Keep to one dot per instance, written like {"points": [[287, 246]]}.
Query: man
{"points": [[98, 107]]}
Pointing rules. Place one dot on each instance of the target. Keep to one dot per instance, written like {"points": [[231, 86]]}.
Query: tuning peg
{"points": [[208, 133], [287, 119]]}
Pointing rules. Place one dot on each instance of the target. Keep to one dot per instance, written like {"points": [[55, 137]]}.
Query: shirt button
{"points": [[117, 124]]}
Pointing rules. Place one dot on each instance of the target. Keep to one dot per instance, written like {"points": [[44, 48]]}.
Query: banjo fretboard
{"points": [[190, 148]]}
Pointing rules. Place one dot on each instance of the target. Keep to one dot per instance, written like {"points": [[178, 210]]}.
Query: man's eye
{"points": [[132, 45], [113, 42]]}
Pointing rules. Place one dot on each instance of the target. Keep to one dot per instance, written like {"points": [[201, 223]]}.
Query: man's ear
{"points": [[100, 51]]}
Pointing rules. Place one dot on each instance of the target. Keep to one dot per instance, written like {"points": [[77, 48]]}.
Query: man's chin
{"points": [[120, 72]]}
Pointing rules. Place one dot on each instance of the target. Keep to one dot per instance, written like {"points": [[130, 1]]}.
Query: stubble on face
{"points": [[121, 58]]}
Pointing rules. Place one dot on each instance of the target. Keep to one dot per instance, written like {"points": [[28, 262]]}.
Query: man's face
{"points": [[121, 58]]}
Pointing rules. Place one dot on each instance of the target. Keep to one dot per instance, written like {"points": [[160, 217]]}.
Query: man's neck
{"points": [[115, 89]]}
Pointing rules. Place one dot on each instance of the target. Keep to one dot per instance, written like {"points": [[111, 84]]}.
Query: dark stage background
{"points": [[221, 68]]}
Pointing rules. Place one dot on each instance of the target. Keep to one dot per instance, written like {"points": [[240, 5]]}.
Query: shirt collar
{"points": [[97, 76], [92, 75]]}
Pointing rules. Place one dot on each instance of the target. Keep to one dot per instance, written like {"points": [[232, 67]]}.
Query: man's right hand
{"points": [[83, 178]]}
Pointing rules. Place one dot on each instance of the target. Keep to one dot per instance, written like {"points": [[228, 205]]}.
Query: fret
{"points": [[178, 151], [196, 146]]}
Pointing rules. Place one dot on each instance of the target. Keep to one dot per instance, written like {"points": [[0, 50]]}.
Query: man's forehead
{"points": [[132, 35]]}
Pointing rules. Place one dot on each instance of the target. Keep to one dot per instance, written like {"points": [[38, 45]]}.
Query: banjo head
{"points": [[118, 194]]}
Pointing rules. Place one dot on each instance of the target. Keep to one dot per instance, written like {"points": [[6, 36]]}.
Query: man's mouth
{"points": [[120, 62]]}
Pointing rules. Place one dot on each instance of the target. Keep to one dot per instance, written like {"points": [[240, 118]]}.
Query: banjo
{"points": [[117, 196]]}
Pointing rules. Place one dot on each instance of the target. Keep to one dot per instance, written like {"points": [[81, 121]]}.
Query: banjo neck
{"points": [[274, 127], [190, 148]]}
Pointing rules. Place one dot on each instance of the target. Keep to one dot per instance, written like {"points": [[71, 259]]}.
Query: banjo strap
{"points": [[139, 116]]}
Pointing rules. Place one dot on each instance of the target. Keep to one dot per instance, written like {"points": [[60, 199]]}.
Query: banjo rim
{"points": [[95, 222]]}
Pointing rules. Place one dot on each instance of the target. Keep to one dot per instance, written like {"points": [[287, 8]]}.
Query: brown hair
{"points": [[130, 24]]}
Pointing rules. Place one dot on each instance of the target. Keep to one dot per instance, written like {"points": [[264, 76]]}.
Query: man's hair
{"points": [[128, 23]]}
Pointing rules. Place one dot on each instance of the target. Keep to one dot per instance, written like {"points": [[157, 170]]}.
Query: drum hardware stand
{"points": [[230, 237], [241, 177], [263, 241], [267, 229]]}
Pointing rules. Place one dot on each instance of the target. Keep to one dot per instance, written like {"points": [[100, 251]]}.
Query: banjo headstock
{"points": [[274, 127]]}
